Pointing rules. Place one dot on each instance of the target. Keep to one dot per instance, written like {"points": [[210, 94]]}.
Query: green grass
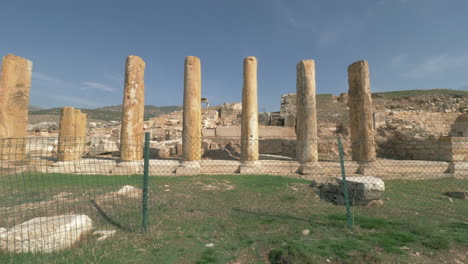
{"points": [[408, 93], [249, 219]]}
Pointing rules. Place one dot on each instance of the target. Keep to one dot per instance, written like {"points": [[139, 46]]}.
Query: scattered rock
{"points": [[130, 192], [45, 234], [375, 203], [62, 195], [209, 245], [104, 234], [458, 195]]}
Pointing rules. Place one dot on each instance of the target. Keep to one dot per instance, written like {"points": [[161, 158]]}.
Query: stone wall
{"points": [[435, 122], [430, 148]]}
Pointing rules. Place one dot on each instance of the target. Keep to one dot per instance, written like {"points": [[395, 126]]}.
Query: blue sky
{"points": [[79, 47]]}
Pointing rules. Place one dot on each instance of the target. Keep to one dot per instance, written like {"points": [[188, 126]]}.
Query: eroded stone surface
{"points": [[191, 133], [360, 113], [15, 84], [72, 134], [131, 134], [361, 190], [249, 130], [307, 140], [45, 234]]}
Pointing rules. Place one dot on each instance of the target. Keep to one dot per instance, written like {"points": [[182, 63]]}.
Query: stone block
{"points": [[271, 146], [45, 234], [228, 131]]}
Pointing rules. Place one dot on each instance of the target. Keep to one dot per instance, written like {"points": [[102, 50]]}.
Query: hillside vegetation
{"points": [[410, 93], [109, 113]]}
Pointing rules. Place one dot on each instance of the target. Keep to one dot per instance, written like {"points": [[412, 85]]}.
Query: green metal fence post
{"points": [[144, 222], [345, 185]]}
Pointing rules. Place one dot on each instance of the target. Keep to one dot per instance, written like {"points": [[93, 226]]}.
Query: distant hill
{"points": [[409, 93], [34, 108], [109, 113]]}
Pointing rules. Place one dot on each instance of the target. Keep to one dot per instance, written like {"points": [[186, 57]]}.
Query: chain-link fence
{"points": [[76, 200]]}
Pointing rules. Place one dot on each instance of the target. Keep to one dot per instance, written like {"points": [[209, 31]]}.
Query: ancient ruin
{"points": [[15, 83], [72, 134], [131, 135], [360, 113], [307, 140], [235, 138], [249, 132], [191, 133]]}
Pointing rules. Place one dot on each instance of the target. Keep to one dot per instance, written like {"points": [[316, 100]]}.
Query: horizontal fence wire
{"points": [[72, 194]]}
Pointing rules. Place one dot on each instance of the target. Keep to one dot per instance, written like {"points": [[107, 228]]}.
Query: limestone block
{"points": [[277, 132], [271, 146], [228, 131], [361, 190], [45, 234]]}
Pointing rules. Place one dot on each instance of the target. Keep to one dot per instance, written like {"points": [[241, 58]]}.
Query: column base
{"points": [[250, 167], [128, 167], [459, 169], [189, 168], [309, 168], [365, 168]]}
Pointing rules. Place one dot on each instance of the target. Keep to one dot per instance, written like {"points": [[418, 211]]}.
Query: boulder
{"points": [[130, 192], [361, 190], [45, 234]]}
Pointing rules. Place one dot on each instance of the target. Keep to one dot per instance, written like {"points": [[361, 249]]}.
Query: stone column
{"points": [[249, 130], [131, 135], [306, 113], [191, 133], [360, 114], [72, 134], [15, 83]]}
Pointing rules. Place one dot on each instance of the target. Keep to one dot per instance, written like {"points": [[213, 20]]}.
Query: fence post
{"points": [[345, 185], [144, 222]]}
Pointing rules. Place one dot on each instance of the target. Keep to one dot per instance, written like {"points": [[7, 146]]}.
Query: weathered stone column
{"points": [[131, 135], [249, 131], [15, 83], [306, 114], [360, 113], [72, 134], [191, 133]]}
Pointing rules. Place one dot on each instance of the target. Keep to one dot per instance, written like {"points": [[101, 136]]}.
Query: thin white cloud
{"points": [[45, 77], [99, 86], [75, 100], [438, 64]]}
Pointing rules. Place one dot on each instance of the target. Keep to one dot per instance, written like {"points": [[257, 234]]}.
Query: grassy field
{"points": [[244, 219]]}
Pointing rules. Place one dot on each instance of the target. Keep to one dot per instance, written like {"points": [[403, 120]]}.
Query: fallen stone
{"points": [[62, 195], [458, 195], [306, 232], [45, 234], [361, 190], [375, 203], [104, 234], [130, 192]]}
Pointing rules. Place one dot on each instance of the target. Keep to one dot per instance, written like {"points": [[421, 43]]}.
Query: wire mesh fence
{"points": [[71, 195]]}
